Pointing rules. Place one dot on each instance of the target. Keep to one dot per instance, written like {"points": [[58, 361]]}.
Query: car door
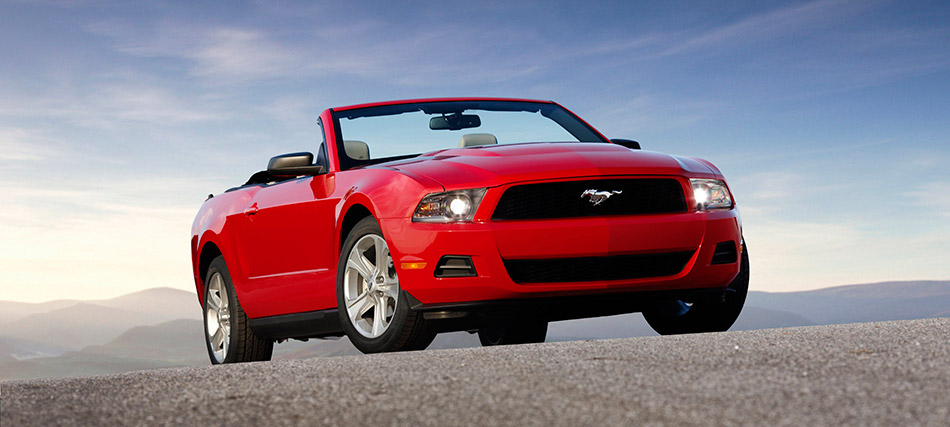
{"points": [[287, 247]]}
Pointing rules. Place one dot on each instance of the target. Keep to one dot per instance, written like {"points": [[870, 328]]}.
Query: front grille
{"points": [[617, 267], [565, 200]]}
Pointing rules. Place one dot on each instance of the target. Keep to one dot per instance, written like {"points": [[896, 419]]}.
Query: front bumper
{"points": [[490, 243]]}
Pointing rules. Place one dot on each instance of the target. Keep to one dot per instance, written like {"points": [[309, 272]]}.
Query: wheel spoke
{"points": [[211, 325], [212, 303], [382, 254], [359, 306], [356, 262], [383, 308], [378, 319], [361, 299], [390, 291], [217, 340]]}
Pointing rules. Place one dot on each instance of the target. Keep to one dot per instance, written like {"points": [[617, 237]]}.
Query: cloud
{"points": [[440, 53], [227, 54], [757, 28], [934, 195], [243, 54], [107, 105], [20, 144]]}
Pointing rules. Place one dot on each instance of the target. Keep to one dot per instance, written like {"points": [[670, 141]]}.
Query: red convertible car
{"points": [[493, 216]]}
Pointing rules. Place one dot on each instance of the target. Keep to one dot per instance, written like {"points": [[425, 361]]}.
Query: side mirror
{"points": [[293, 164], [629, 143]]}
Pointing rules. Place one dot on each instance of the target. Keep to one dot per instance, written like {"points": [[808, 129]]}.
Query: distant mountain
{"points": [[171, 344], [138, 331], [862, 303], [70, 325], [169, 302], [166, 302], [76, 364], [620, 326], [753, 317], [11, 310], [6, 352], [179, 340], [77, 326]]}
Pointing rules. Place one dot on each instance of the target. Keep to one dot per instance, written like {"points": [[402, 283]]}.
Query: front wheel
{"points": [[373, 310], [228, 335], [679, 317]]}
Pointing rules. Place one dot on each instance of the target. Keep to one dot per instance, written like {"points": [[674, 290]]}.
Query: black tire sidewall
{"points": [[219, 266], [705, 316], [388, 340]]}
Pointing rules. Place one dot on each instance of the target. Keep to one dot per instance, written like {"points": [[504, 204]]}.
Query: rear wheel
{"points": [[680, 317], [228, 335], [374, 312], [523, 332]]}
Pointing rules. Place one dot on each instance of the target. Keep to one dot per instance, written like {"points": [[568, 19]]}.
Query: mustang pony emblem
{"points": [[597, 197]]}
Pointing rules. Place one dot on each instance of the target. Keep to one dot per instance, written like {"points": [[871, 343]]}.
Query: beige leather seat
{"points": [[357, 150], [476, 139]]}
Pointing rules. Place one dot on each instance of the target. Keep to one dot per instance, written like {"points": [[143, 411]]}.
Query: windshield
{"points": [[378, 134]]}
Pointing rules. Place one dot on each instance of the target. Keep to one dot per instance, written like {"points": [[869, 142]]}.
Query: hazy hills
{"points": [[57, 327], [862, 303], [162, 328]]}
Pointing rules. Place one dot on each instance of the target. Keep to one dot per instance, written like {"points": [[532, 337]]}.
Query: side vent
{"points": [[455, 266]]}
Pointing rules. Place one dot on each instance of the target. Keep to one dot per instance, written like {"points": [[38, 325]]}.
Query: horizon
{"points": [[117, 119], [852, 285]]}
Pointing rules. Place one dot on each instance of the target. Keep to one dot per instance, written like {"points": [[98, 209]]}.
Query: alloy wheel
{"points": [[370, 286], [218, 317]]}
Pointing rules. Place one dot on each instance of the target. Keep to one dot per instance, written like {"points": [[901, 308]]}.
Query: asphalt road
{"points": [[892, 373]]}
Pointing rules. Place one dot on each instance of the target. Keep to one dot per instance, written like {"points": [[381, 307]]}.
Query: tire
{"points": [[525, 332], [679, 317], [228, 336], [373, 310]]}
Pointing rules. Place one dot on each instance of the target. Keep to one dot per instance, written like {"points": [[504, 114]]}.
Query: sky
{"points": [[830, 119]]}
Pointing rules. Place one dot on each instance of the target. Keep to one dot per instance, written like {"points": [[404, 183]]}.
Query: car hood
{"points": [[489, 166]]}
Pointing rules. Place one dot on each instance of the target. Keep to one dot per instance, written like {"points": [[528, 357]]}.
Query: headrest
{"points": [[357, 150], [475, 139]]}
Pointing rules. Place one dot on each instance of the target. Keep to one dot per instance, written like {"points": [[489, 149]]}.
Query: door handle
{"points": [[252, 210]]}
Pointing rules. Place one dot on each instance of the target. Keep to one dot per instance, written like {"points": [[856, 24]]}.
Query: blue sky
{"points": [[830, 119]]}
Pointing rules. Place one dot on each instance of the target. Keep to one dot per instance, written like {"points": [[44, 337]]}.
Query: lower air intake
{"points": [[617, 267]]}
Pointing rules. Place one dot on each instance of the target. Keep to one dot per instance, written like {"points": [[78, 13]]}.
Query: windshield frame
{"points": [[563, 117]]}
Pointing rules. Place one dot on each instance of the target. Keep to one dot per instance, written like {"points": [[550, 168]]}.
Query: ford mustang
{"points": [[492, 216]]}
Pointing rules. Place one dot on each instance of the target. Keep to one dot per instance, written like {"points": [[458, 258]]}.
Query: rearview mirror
{"points": [[293, 164], [629, 143], [455, 122]]}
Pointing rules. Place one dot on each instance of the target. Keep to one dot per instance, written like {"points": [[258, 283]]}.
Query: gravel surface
{"points": [[890, 373]]}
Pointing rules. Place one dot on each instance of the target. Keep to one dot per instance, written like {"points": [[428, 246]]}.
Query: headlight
{"points": [[711, 194], [450, 206]]}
